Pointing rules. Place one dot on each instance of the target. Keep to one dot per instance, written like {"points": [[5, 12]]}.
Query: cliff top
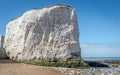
{"points": [[50, 7], [56, 5]]}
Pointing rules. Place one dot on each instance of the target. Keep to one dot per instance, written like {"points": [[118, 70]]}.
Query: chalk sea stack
{"points": [[2, 50], [50, 33]]}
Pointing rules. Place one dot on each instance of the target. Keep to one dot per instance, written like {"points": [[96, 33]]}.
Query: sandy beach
{"points": [[8, 67]]}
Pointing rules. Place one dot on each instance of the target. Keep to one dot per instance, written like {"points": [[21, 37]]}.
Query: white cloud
{"points": [[100, 49]]}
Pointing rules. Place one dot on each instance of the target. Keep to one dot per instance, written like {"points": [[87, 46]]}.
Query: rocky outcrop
{"points": [[2, 51], [50, 33]]}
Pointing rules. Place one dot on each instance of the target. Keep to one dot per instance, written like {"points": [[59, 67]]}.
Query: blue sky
{"points": [[99, 22]]}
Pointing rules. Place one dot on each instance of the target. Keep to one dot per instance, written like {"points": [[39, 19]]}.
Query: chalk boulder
{"points": [[50, 33]]}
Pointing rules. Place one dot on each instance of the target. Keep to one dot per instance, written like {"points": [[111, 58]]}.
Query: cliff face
{"points": [[2, 51], [50, 33]]}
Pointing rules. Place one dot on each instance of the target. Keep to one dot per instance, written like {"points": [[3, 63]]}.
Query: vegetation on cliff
{"points": [[69, 63]]}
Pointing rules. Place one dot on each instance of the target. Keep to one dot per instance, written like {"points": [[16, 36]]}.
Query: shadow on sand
{"points": [[4, 61]]}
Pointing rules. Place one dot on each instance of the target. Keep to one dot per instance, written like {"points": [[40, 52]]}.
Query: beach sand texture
{"points": [[8, 67]]}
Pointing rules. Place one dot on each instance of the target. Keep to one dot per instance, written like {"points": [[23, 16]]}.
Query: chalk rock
{"points": [[2, 51], [50, 33]]}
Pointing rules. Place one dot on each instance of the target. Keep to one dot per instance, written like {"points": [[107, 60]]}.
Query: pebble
{"points": [[91, 71]]}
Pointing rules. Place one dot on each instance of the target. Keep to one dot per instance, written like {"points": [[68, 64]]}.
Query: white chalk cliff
{"points": [[50, 33], [2, 50]]}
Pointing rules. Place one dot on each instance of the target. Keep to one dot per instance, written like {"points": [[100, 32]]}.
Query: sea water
{"points": [[101, 58]]}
